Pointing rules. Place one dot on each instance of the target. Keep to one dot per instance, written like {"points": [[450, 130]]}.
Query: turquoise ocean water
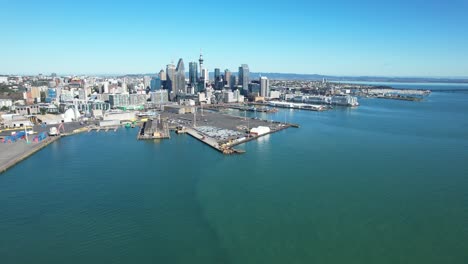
{"points": [[386, 182]]}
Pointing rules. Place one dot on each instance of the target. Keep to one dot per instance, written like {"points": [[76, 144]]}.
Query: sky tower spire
{"points": [[201, 61]]}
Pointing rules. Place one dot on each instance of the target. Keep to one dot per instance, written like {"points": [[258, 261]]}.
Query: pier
{"points": [[223, 132], [154, 129], [13, 153], [105, 129]]}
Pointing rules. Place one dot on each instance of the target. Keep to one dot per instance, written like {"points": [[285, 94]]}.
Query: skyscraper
{"points": [[264, 87], [193, 74], [244, 77], [162, 75], [180, 77], [155, 83], [233, 82], [205, 76], [170, 77], [217, 78], [227, 77], [217, 74]]}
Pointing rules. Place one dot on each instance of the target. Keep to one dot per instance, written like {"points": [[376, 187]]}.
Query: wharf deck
{"points": [[13, 153], [154, 129]]}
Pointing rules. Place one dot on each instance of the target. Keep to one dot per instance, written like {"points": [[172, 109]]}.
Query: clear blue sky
{"points": [[385, 38]]}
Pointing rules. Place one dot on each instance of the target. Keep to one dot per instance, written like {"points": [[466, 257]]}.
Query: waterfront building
{"points": [[264, 87], [159, 97], [193, 74], [254, 88], [137, 99], [244, 77], [274, 95], [117, 100], [155, 84], [228, 97], [237, 96], [180, 77]]}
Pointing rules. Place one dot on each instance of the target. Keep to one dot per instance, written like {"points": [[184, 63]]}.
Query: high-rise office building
{"points": [[217, 74], [170, 77], [155, 83], [233, 82], [227, 77], [162, 75], [217, 78], [180, 77], [264, 87], [193, 74], [205, 76], [244, 77]]}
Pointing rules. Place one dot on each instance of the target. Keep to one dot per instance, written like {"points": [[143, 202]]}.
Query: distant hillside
{"points": [[293, 76]]}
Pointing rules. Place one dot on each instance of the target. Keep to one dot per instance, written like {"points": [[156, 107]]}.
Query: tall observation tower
{"points": [[201, 62]]}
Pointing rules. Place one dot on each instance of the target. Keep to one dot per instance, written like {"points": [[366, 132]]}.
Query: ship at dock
{"points": [[344, 100]]}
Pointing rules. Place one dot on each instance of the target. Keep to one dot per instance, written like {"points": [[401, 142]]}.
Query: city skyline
{"points": [[344, 39]]}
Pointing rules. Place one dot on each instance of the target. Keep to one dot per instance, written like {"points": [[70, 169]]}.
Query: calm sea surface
{"points": [[386, 182]]}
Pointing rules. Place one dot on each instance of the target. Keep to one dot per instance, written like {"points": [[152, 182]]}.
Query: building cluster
{"points": [[91, 95], [223, 87]]}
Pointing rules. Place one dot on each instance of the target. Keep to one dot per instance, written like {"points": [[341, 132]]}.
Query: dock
{"points": [[105, 129], [13, 153], [223, 132], [154, 129]]}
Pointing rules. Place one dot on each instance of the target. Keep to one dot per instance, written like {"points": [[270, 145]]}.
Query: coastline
{"points": [[10, 155], [13, 158]]}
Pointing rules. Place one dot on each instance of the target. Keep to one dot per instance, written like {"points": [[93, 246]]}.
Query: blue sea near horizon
{"points": [[386, 182]]}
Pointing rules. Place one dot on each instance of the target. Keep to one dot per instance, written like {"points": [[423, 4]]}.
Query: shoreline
{"points": [[17, 158]]}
